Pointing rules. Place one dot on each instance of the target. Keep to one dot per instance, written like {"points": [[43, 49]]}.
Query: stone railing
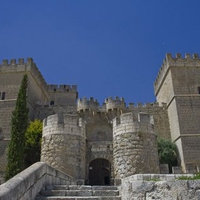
{"points": [[28, 183]]}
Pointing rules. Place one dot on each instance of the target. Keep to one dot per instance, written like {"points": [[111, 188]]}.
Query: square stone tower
{"points": [[178, 85]]}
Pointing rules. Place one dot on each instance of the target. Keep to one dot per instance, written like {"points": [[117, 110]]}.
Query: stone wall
{"points": [[28, 183], [99, 139], [134, 146], [62, 95], [160, 117], [160, 186], [64, 144], [178, 85]]}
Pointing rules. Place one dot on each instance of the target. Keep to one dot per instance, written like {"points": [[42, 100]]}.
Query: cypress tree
{"points": [[19, 124]]}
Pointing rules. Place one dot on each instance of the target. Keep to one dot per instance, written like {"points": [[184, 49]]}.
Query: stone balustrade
{"points": [[28, 183]]}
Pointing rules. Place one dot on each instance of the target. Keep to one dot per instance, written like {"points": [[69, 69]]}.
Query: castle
{"points": [[101, 143]]}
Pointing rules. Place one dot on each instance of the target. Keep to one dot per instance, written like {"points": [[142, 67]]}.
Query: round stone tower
{"points": [[134, 145], [64, 144]]}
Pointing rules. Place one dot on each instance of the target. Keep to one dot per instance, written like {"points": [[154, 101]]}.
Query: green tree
{"points": [[19, 125], [168, 153], [33, 142]]}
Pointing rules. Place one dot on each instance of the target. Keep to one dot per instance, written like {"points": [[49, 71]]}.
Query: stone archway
{"points": [[99, 172]]}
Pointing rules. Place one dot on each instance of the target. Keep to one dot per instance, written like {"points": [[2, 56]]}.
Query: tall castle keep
{"points": [[112, 141]]}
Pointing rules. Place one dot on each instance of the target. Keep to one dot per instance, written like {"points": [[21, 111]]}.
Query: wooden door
{"points": [[99, 172]]}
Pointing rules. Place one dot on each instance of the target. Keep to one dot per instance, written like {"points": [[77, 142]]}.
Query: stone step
{"points": [[79, 192], [76, 192], [79, 198], [81, 187]]}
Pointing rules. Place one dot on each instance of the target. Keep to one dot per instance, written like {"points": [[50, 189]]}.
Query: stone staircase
{"points": [[76, 192]]}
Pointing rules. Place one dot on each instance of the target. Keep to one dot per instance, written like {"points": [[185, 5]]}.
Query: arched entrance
{"points": [[99, 172]]}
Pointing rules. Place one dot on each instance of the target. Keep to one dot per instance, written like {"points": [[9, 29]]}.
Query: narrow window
{"points": [[3, 96], [51, 103], [54, 90], [199, 90]]}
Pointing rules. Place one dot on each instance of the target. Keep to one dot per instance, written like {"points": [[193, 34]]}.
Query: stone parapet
{"points": [[117, 103], [178, 61], [85, 104], [62, 88], [28, 183], [29, 66], [63, 124]]}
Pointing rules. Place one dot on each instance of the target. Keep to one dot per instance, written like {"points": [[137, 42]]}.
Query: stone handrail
{"points": [[28, 183]]}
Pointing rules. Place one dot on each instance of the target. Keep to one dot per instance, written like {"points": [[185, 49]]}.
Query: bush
{"points": [[33, 138], [168, 153]]}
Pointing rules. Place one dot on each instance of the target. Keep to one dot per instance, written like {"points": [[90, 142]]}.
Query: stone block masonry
{"points": [[64, 144], [80, 133], [134, 146], [27, 184], [159, 186]]}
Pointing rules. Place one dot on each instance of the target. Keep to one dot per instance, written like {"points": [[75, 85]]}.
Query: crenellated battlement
{"points": [[6, 62], [177, 61], [62, 88], [129, 119], [117, 103], [139, 105], [88, 104], [21, 65], [64, 124]]}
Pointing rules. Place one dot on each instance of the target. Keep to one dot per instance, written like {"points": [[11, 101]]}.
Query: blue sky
{"points": [[106, 47]]}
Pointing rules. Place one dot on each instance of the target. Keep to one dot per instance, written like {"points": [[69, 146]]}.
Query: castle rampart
{"points": [[13, 66], [62, 88], [116, 103], [78, 135], [178, 61], [134, 145], [87, 104]]}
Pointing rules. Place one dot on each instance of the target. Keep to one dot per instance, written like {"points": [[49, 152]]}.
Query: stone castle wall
{"points": [[99, 139], [64, 144], [63, 95], [176, 114], [134, 146], [178, 85]]}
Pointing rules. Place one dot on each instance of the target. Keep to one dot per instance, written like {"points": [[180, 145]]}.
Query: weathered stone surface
{"points": [[28, 183], [134, 146], [140, 187]]}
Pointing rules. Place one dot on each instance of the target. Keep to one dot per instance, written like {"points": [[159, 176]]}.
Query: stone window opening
{"points": [[199, 90], [52, 103], [3, 96], [1, 134], [54, 89]]}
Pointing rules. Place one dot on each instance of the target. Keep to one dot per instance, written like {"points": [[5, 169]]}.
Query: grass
{"points": [[153, 179], [195, 177]]}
